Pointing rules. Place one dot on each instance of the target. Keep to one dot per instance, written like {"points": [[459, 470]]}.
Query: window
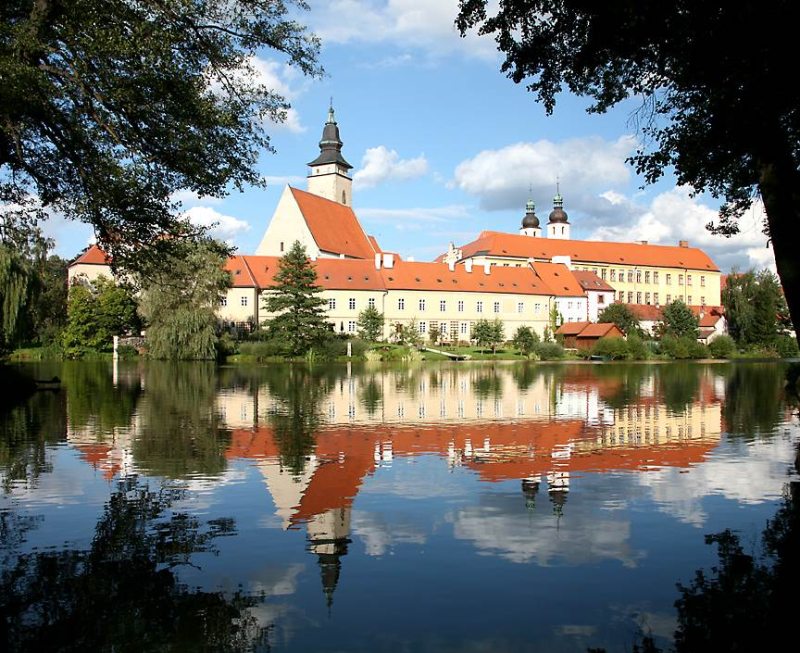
{"points": [[647, 276], [460, 305], [351, 303], [281, 245], [630, 298], [702, 300], [630, 276], [688, 279], [655, 277], [443, 329], [655, 298], [442, 306], [601, 298], [669, 299], [638, 298], [479, 307], [702, 281], [638, 276], [497, 307], [371, 302], [680, 279], [647, 298], [621, 296], [613, 275], [401, 304], [223, 301], [422, 304], [520, 307], [331, 304], [464, 328], [622, 275], [569, 306], [537, 308], [603, 274], [351, 326], [244, 301], [669, 279], [423, 327], [689, 300]]}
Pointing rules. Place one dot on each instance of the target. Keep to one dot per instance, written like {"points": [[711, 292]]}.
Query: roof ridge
{"points": [[249, 271]]}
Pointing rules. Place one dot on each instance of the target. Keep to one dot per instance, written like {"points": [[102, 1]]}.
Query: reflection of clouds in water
{"points": [[416, 477], [581, 536], [749, 473], [282, 619], [277, 581], [201, 490], [379, 535]]}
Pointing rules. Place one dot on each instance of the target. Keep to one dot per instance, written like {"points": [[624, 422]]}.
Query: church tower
{"points": [[530, 223], [329, 175], [558, 224]]}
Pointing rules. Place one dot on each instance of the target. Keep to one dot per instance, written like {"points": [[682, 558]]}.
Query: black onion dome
{"points": [[330, 147], [530, 221], [558, 214]]}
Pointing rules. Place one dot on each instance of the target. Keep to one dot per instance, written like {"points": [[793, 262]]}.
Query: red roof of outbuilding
{"points": [[571, 328]]}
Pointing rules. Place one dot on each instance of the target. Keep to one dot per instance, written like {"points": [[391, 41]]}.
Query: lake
{"points": [[452, 507]]}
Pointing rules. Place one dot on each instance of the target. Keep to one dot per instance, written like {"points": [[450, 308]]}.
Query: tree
{"points": [[525, 340], [488, 334], [300, 320], [370, 324], [754, 307], [679, 321], [721, 116], [97, 312], [434, 334], [48, 311], [15, 277], [622, 316], [111, 106], [180, 299]]}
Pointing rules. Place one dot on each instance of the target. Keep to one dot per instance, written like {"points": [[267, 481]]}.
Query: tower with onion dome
{"points": [[530, 223], [558, 221]]}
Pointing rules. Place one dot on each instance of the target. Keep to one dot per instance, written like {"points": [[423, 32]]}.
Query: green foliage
{"points": [[15, 278], [407, 334], [722, 347], [786, 347], [48, 312], [300, 318], [434, 334], [613, 348], [555, 319], [525, 340], [549, 351], [488, 334], [682, 347], [637, 348], [620, 315], [754, 307], [679, 321], [97, 312], [180, 298], [370, 324], [117, 104]]}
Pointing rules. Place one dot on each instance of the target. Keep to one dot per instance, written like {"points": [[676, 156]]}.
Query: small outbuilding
{"points": [[584, 335]]}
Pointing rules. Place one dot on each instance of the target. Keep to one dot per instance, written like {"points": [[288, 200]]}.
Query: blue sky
{"points": [[443, 146]]}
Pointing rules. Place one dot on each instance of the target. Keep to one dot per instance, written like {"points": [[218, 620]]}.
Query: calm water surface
{"points": [[429, 508]]}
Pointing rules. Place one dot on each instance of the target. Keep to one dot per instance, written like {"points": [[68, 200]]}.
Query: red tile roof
{"points": [[558, 277], [646, 312], [590, 281], [334, 226], [601, 330], [495, 243], [437, 276], [571, 328], [92, 256]]}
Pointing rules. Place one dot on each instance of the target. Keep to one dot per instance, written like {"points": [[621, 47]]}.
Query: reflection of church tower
{"points": [[530, 488], [328, 538], [329, 175], [558, 225], [558, 489]]}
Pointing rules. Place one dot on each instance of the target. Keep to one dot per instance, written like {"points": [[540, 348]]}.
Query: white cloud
{"points": [[501, 178], [675, 215], [189, 198], [429, 26], [380, 164], [282, 180], [220, 225]]}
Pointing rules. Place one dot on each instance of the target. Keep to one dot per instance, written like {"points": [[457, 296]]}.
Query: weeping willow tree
{"points": [[180, 300], [15, 291]]}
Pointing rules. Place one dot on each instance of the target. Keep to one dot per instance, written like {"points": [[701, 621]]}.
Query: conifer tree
{"points": [[300, 320], [679, 320]]}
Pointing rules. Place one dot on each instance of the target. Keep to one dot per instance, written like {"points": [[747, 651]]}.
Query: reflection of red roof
{"points": [[494, 243], [92, 256], [334, 226], [99, 457]]}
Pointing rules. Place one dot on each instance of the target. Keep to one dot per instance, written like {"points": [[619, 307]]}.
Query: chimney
{"points": [[451, 266], [377, 261], [683, 243], [388, 261], [410, 259], [487, 267], [468, 265], [643, 242], [341, 255]]}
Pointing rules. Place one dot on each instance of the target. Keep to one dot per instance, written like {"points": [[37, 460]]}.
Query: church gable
{"points": [[287, 225]]}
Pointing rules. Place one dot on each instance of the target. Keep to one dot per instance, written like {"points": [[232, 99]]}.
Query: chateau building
{"points": [[521, 279]]}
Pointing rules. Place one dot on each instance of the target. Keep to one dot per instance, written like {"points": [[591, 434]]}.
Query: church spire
{"points": [[330, 146], [329, 175]]}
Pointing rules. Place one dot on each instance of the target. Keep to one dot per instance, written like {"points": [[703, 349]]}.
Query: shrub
{"points": [[613, 348], [549, 351], [786, 347], [637, 348], [722, 347], [683, 348]]}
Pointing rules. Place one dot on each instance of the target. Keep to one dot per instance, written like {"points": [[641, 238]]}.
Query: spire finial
{"points": [[331, 117]]}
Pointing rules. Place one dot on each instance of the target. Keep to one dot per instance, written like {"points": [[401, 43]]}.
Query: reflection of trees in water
{"points": [[26, 431], [94, 399], [753, 393], [122, 593], [487, 383], [181, 433], [678, 385], [370, 394], [621, 385], [299, 391], [525, 374]]}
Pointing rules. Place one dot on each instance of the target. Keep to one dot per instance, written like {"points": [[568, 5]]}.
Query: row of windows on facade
{"points": [[641, 276], [653, 299], [446, 329]]}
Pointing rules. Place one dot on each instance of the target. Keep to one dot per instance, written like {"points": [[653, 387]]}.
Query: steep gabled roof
{"points": [[92, 256], [334, 226], [559, 278], [495, 243]]}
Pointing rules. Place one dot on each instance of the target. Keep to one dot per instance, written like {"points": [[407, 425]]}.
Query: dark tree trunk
{"points": [[780, 191]]}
